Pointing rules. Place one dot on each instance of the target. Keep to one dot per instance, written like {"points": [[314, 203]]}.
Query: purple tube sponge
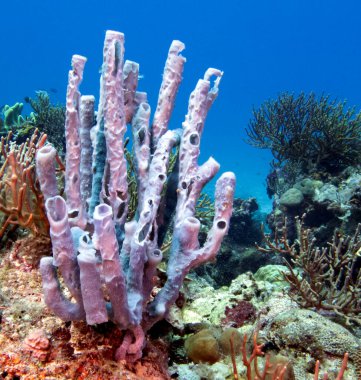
{"points": [[45, 170], [105, 241], [172, 76], [115, 185], [65, 259], [86, 123], [73, 145], [95, 245]]}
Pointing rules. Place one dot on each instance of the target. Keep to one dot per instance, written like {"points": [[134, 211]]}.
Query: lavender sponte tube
{"points": [[64, 257], [172, 77], [73, 145], [91, 285], [185, 251], [130, 83], [117, 254], [86, 123], [115, 185], [146, 231], [141, 148], [45, 171], [105, 241], [54, 299], [64, 253]]}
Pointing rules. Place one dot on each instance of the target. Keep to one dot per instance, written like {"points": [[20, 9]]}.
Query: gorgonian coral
{"points": [[314, 133], [327, 278]]}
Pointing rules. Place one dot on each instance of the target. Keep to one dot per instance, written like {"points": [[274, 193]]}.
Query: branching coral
{"points": [[340, 374], [21, 201], [49, 119], [46, 117], [313, 133], [330, 276], [272, 371]]}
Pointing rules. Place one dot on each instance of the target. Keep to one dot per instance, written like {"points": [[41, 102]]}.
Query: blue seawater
{"points": [[264, 47]]}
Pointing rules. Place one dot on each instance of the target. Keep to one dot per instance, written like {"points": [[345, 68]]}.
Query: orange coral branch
{"points": [[233, 357], [340, 373], [279, 371], [20, 198]]}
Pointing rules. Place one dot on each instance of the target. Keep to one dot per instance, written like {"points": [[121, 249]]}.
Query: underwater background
{"points": [[264, 48], [115, 263]]}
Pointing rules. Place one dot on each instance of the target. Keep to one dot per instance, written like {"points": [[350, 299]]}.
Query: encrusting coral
{"points": [[94, 246]]}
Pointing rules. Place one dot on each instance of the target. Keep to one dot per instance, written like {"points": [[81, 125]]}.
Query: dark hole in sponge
{"points": [[73, 214], [221, 224], [143, 233], [120, 210], [141, 136], [194, 139], [121, 195]]}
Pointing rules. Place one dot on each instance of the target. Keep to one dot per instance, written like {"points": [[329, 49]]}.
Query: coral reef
{"points": [[316, 146], [313, 177], [304, 340], [76, 351], [115, 254], [328, 278], [326, 205], [85, 352], [280, 369]]}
